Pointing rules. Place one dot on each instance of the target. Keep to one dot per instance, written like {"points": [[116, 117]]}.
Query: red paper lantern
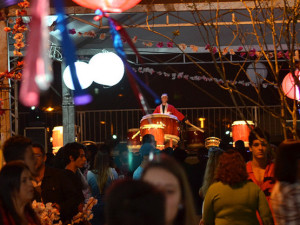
{"points": [[114, 6], [288, 86]]}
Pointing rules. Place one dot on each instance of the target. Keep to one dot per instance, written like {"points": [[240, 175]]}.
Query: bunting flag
{"points": [[182, 75], [80, 96]]}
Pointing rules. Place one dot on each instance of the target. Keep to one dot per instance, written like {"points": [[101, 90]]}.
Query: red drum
{"points": [[195, 138], [170, 123], [157, 130], [133, 139], [241, 131], [212, 142]]}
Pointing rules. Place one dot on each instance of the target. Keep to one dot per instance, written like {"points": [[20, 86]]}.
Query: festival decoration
{"points": [[15, 73], [113, 6], [85, 75], [107, 68], [80, 96], [182, 75], [290, 89], [36, 73], [256, 73]]}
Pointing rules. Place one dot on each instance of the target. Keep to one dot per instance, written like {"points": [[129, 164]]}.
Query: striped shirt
{"points": [[285, 200]]}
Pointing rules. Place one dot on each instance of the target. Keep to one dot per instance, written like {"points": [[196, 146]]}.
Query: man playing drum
{"points": [[165, 108]]}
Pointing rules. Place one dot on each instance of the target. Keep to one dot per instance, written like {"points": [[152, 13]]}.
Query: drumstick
{"points": [[196, 128], [136, 134]]}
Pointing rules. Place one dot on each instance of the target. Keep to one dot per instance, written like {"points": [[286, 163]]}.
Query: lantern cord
{"points": [[80, 96]]}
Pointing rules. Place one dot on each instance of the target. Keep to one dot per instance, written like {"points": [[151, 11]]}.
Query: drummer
{"points": [[165, 108]]}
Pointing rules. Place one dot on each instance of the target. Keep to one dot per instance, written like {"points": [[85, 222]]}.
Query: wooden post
{"points": [[5, 126]]}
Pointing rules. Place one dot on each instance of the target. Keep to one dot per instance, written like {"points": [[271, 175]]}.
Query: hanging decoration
{"points": [[256, 73], [290, 89], [112, 6], [36, 73], [182, 75], [80, 96]]}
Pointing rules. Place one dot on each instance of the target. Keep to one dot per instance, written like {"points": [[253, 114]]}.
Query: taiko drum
{"points": [[195, 138], [241, 131], [157, 130]]}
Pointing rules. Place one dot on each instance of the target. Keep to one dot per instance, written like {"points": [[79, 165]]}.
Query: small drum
{"points": [[195, 138], [157, 130], [241, 131], [133, 139], [212, 142]]}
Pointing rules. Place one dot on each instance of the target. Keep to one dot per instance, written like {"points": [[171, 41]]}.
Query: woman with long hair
{"points": [[169, 176], [16, 193], [211, 165], [99, 179], [232, 199]]}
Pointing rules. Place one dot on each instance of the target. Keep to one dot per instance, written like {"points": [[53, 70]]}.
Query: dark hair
{"points": [[91, 151], [257, 131], [148, 138], [72, 149], [10, 180], [231, 168], [287, 160], [15, 148], [134, 202], [41, 147], [186, 216]]}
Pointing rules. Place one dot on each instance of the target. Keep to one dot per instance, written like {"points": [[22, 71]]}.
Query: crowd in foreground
{"points": [[152, 187]]}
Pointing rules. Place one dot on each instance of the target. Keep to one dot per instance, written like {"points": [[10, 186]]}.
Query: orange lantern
{"points": [[113, 6], [288, 86]]}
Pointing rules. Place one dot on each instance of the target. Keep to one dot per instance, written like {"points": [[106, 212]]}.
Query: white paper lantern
{"points": [[254, 69], [84, 75], [107, 68]]}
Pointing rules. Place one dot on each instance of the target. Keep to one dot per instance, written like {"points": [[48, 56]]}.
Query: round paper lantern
{"points": [[254, 69], [288, 86], [107, 68], [84, 75], [114, 6]]}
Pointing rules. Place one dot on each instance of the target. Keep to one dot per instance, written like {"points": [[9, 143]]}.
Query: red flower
{"points": [[7, 29], [240, 49], [72, 31], [252, 52], [160, 44], [170, 44], [207, 47]]}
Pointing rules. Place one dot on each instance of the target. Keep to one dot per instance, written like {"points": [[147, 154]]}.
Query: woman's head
{"points": [[101, 167], [287, 163], [231, 168], [16, 189], [214, 154], [134, 202], [169, 177]]}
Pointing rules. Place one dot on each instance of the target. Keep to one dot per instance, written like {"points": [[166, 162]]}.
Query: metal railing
{"points": [[100, 125]]}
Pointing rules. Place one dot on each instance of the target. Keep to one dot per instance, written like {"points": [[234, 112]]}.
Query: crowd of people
{"points": [[224, 186]]}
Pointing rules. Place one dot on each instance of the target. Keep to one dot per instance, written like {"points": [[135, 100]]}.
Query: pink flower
{"points": [[280, 54], [242, 54], [252, 52], [170, 44], [207, 47], [160, 44], [215, 50], [240, 49], [286, 54], [72, 31]]}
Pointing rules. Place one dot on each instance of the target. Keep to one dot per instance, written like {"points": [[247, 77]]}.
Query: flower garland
{"points": [[19, 28], [15, 73], [182, 75]]}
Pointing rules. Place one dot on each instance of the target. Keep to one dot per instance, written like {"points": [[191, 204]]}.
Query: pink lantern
{"points": [[288, 86], [113, 6]]}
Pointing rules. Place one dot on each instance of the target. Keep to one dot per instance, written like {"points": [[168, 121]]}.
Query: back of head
{"points": [[134, 202], [41, 147], [146, 149], [148, 138], [287, 161], [257, 133], [231, 168], [15, 147]]}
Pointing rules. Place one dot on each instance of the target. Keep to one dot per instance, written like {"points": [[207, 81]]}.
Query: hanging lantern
{"points": [[288, 86], [113, 6]]}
